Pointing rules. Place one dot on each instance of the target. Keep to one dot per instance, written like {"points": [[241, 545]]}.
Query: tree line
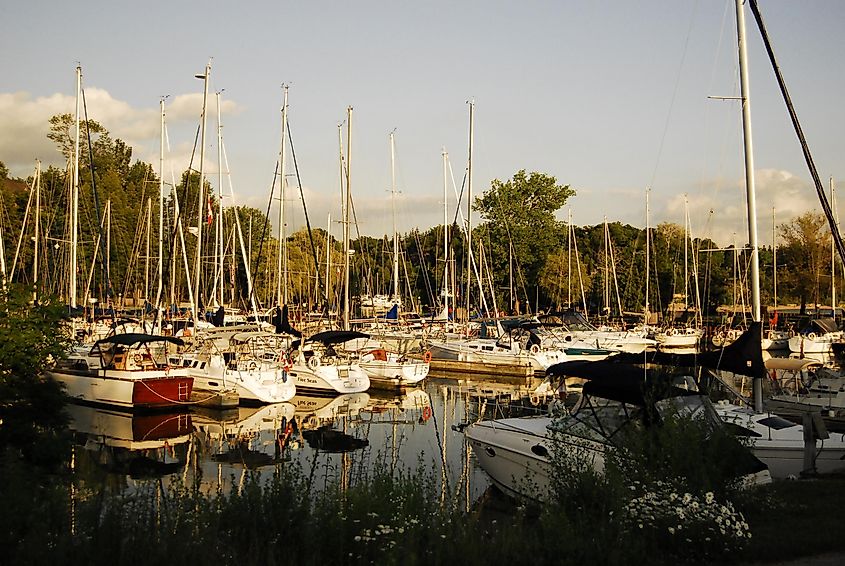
{"points": [[523, 258]]}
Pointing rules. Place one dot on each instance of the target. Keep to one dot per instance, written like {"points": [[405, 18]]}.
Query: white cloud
{"points": [[25, 120]]}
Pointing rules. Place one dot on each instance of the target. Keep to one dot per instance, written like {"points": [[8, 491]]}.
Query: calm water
{"points": [[330, 438]]}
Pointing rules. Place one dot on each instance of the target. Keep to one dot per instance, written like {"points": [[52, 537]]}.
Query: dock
{"points": [[449, 368], [215, 399]]}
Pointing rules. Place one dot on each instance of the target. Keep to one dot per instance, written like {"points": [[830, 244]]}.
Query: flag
{"points": [[210, 215]]}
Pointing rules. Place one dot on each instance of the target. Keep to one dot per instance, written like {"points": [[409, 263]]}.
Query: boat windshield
{"points": [[598, 419]]}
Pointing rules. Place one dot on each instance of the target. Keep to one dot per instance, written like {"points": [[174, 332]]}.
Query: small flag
{"points": [[210, 216]]}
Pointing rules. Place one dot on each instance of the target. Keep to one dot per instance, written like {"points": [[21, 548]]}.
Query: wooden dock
{"points": [[451, 368]]}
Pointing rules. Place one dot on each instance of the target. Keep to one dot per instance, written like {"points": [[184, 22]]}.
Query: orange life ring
{"points": [[427, 359], [426, 413]]}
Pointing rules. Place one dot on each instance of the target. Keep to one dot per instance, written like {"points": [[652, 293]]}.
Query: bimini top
{"points": [[336, 336], [131, 338], [621, 381]]}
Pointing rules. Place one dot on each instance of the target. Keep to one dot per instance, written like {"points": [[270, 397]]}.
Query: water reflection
{"points": [[330, 438], [124, 444]]}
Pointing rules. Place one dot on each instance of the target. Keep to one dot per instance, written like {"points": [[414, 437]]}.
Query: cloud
{"points": [[719, 211], [26, 124]]}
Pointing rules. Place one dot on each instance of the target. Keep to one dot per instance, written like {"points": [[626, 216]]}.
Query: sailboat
{"points": [[687, 336]]}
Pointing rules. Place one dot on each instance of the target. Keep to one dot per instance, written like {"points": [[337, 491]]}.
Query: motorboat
{"points": [[127, 370], [780, 444], [517, 453]]}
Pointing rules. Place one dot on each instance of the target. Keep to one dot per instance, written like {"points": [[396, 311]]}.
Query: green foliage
{"points": [[32, 423], [520, 224]]}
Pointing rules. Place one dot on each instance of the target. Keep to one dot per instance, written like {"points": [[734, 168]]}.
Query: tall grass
{"points": [[384, 515]]}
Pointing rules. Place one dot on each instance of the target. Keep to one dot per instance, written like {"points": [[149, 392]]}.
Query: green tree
{"points": [[805, 257], [520, 228], [31, 418]]}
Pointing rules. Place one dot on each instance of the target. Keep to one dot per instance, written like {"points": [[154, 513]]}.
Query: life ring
{"points": [[535, 348], [426, 413], [138, 358], [534, 399], [251, 366], [427, 359], [811, 336], [314, 362]]}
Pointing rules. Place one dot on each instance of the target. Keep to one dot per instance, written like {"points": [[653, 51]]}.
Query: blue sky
{"points": [[608, 97]]}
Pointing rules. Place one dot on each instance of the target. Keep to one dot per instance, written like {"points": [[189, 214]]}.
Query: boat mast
{"points": [[445, 235], [281, 274], [833, 251], [328, 257], [347, 206], [647, 252], [160, 210], [218, 241], [774, 261], [469, 209], [395, 234], [569, 259], [74, 215], [37, 228], [745, 95], [200, 199]]}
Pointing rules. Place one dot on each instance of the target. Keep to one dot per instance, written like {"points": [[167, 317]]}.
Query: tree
{"points": [[805, 259], [520, 227], [31, 416], [62, 133]]}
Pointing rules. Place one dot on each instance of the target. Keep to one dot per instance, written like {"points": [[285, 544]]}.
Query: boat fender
{"points": [[314, 362], [426, 413], [427, 356], [535, 348], [811, 336]]}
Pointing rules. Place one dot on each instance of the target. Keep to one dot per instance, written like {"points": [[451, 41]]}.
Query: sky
{"points": [[608, 97]]}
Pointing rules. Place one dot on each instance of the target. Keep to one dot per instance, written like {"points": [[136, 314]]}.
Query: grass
{"points": [[656, 507], [796, 519]]}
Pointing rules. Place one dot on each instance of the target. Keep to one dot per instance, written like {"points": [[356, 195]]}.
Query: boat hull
{"points": [[127, 389]]}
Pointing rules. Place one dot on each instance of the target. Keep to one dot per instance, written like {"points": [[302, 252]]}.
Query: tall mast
{"points": [[745, 94], [74, 215], [686, 253], [445, 234], [647, 252], [282, 277], [201, 207], [833, 251], [395, 234], [347, 206], [328, 257], [149, 229], [469, 208], [37, 229], [160, 208], [218, 241], [569, 259], [774, 261]]}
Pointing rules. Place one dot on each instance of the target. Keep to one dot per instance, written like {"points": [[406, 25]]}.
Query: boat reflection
{"points": [[251, 437], [137, 445]]}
